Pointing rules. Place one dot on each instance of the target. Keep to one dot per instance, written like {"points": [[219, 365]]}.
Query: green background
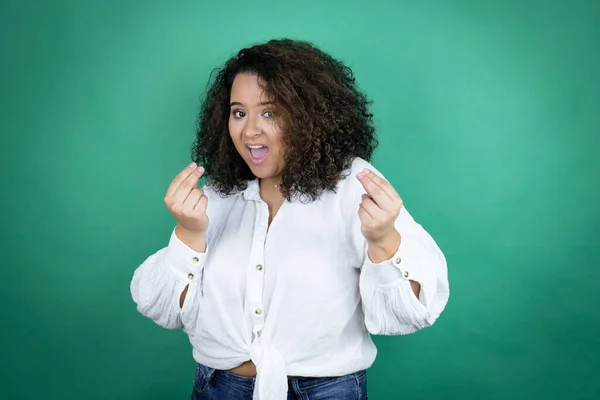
{"points": [[489, 119]]}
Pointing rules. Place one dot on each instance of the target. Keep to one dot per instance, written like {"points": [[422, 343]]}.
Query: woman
{"points": [[297, 249]]}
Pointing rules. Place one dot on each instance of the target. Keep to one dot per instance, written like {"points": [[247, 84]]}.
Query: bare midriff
{"points": [[247, 369]]}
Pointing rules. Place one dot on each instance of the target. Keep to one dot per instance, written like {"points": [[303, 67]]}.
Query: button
{"points": [[258, 311], [259, 267], [195, 259], [191, 276], [397, 261], [406, 274]]}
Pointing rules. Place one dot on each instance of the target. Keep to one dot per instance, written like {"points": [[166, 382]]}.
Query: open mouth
{"points": [[258, 153]]}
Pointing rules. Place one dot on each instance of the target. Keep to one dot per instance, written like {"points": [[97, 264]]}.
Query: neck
{"points": [[270, 186], [270, 182]]}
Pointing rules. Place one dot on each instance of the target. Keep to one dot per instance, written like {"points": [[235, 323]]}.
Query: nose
{"points": [[252, 129]]}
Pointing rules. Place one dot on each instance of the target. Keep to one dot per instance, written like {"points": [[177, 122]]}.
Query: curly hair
{"points": [[325, 119]]}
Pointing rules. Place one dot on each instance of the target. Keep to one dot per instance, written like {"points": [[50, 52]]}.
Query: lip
{"points": [[254, 160]]}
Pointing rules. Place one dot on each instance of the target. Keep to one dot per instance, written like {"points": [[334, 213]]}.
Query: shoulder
{"points": [[218, 201], [349, 189], [212, 192], [358, 165], [350, 183]]}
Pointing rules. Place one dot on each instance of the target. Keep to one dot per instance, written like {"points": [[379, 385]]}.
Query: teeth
{"points": [[256, 147]]}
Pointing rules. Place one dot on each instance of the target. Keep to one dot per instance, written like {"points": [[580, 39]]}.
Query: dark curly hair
{"points": [[325, 119]]}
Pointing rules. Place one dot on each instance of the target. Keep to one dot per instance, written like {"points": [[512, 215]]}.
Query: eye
{"points": [[268, 114], [239, 114]]}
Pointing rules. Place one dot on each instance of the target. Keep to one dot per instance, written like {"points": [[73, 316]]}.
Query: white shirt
{"points": [[297, 298]]}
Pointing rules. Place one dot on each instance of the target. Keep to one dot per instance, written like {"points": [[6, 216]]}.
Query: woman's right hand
{"points": [[188, 205]]}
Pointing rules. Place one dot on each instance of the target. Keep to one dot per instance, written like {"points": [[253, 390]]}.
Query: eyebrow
{"points": [[262, 103]]}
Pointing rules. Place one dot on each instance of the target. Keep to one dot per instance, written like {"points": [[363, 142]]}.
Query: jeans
{"points": [[211, 384]]}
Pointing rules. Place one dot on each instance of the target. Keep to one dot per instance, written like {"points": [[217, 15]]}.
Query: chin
{"points": [[261, 171]]}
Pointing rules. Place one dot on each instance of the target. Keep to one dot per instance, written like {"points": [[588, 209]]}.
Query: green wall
{"points": [[489, 119]]}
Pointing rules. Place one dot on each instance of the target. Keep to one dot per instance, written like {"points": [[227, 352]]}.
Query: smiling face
{"points": [[254, 127]]}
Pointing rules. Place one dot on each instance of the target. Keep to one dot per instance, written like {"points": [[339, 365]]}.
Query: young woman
{"points": [[297, 249]]}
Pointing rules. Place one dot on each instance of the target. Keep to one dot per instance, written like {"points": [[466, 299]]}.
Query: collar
{"points": [[252, 192]]}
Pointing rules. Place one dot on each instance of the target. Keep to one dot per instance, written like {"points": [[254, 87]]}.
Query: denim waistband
{"points": [[248, 381]]}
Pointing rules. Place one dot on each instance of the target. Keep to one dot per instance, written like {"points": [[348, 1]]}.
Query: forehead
{"points": [[248, 86]]}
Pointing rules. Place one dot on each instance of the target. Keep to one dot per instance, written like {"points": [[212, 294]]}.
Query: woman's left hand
{"points": [[379, 209]]}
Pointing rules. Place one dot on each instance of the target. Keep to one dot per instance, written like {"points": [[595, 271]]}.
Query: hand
{"points": [[187, 203], [379, 209]]}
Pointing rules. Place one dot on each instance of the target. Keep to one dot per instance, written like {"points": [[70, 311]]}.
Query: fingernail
{"points": [[192, 165], [199, 170], [366, 171], [360, 175]]}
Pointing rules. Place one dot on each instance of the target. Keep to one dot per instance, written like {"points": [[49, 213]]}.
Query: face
{"points": [[254, 129]]}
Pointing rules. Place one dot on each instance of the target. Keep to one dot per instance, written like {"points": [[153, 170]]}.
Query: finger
{"points": [[200, 207], [187, 185], [371, 207], [192, 199], [383, 184], [364, 216], [179, 178], [375, 191]]}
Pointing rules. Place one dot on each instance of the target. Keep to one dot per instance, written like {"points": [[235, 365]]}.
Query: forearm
{"points": [[153, 287], [166, 282], [385, 249], [194, 241], [182, 296]]}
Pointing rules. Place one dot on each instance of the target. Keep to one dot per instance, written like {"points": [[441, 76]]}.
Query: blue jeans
{"points": [[211, 384]]}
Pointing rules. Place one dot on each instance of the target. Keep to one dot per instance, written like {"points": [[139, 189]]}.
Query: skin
{"points": [[253, 120]]}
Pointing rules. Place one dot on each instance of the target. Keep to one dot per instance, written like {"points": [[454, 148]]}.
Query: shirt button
{"points": [[259, 267], [258, 311], [195, 259], [191, 276], [397, 260], [406, 274]]}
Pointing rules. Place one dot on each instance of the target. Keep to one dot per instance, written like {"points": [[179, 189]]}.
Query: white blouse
{"points": [[297, 298]]}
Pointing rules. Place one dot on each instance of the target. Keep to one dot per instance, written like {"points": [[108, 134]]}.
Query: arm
{"points": [[167, 286], [404, 282], [194, 242], [385, 250], [408, 290]]}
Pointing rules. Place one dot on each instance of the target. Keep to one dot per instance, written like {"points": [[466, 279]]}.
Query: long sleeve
{"points": [[390, 305], [158, 282]]}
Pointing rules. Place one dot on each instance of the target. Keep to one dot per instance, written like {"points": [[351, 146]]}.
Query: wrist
{"points": [[384, 248], [194, 240]]}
